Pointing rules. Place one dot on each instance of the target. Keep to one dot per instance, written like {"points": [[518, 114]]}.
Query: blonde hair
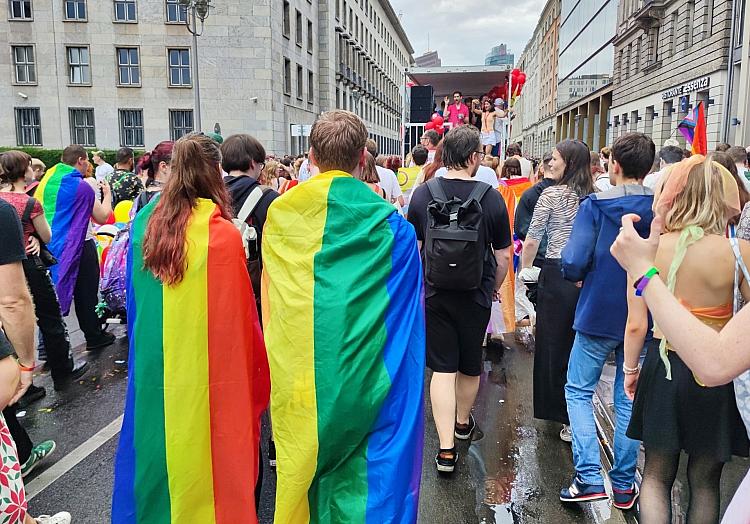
{"points": [[268, 173], [701, 203]]}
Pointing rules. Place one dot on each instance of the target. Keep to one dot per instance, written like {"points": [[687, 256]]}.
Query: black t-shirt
{"points": [[240, 188], [11, 250], [495, 220]]}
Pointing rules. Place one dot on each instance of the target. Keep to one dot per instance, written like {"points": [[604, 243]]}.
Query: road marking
{"points": [[72, 459]]}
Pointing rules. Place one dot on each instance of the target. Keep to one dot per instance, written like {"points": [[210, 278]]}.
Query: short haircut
{"points": [[458, 146], [635, 153], [433, 136], [738, 154], [124, 154], [419, 154], [670, 154], [372, 147], [239, 151], [13, 166], [605, 152], [545, 162], [337, 139], [513, 150], [723, 147], [72, 154], [100, 154], [459, 93]]}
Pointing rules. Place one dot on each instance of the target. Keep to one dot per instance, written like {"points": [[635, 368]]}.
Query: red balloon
{"points": [[522, 78], [514, 74], [440, 130], [437, 120], [429, 125], [434, 115]]}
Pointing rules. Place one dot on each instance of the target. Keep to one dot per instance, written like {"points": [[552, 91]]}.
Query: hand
{"points": [[496, 296], [23, 386], [631, 381], [447, 100], [106, 190], [33, 247], [528, 274], [635, 254]]}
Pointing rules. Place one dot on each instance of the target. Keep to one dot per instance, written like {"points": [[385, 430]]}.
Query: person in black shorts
{"points": [[457, 320]]}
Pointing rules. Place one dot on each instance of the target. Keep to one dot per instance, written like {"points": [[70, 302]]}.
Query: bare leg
{"points": [[443, 398], [466, 393]]}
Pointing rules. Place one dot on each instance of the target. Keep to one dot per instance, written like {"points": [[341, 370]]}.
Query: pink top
{"points": [[455, 115]]}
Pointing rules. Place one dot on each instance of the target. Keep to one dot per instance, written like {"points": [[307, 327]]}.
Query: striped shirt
{"points": [[554, 214]]}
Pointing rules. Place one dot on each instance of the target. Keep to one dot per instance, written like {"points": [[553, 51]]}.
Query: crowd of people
{"points": [[325, 283]]}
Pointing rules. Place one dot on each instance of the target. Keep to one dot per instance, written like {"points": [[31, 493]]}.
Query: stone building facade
{"points": [[107, 73], [670, 55]]}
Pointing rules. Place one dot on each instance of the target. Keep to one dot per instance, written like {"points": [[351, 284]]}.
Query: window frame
{"points": [[299, 35], [300, 82], [69, 66], [120, 124], [172, 112], [287, 77], [19, 127], [29, 18], [72, 126], [14, 64], [310, 87], [77, 3], [286, 20], [115, 20], [310, 36], [189, 67], [118, 65], [176, 3]]}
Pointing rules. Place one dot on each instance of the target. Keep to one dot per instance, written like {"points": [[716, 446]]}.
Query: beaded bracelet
{"points": [[641, 283], [631, 371]]}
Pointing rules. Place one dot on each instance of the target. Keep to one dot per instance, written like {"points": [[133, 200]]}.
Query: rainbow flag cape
{"points": [[344, 328], [67, 201], [518, 185], [198, 383]]}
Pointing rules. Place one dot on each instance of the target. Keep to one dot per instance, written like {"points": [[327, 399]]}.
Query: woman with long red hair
{"points": [[198, 375]]}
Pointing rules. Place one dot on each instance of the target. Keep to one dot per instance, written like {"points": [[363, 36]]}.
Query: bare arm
{"points": [[17, 316], [636, 327], [42, 228], [530, 249], [502, 256]]}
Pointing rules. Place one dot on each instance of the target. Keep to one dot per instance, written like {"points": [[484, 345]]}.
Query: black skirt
{"points": [[680, 414], [555, 312]]}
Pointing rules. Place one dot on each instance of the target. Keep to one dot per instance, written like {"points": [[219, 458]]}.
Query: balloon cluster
{"points": [[509, 90], [436, 123]]}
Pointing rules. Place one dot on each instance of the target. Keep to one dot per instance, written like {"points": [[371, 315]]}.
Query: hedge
{"points": [[50, 157]]}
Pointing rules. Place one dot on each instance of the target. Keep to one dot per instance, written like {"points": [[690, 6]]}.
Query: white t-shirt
{"points": [[484, 174], [389, 183], [102, 171], [304, 171], [652, 179], [602, 182], [526, 166]]}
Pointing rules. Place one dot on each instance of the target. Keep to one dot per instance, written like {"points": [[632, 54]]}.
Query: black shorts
{"points": [[456, 327]]}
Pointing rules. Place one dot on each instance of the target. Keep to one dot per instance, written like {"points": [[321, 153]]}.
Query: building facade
{"points": [[110, 73], [585, 70], [499, 55], [670, 55], [428, 59]]}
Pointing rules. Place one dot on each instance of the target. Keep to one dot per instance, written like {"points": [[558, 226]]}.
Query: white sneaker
{"points": [[565, 434], [58, 518]]}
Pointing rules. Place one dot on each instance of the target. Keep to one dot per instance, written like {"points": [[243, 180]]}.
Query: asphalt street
{"points": [[511, 472]]}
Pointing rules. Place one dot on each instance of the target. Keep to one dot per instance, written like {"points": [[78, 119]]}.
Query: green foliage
{"points": [[50, 157]]}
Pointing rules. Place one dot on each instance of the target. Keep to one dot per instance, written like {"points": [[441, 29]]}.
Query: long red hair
{"points": [[196, 173], [431, 168]]}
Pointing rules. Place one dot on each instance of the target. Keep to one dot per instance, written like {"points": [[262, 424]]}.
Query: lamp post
{"points": [[197, 10]]}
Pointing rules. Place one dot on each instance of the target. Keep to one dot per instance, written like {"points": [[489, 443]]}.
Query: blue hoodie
{"points": [[602, 306]]}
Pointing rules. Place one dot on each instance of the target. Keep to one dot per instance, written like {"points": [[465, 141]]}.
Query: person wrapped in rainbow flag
{"points": [[344, 329]]}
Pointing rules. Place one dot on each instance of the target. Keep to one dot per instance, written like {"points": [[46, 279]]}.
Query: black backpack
{"points": [[455, 244]]}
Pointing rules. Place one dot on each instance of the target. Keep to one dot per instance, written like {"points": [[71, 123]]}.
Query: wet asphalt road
{"points": [[510, 473]]}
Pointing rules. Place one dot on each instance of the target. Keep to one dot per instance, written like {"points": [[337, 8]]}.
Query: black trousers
{"points": [[86, 293], [20, 437], [48, 317]]}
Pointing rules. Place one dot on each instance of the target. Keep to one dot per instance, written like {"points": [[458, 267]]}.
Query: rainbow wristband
{"points": [[641, 283]]}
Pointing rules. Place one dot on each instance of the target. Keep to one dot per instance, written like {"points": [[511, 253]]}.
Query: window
{"points": [[19, 9], [179, 68], [287, 77], [310, 87], [180, 122], [298, 27], [75, 10], [82, 129], [310, 39], [300, 82], [28, 126], [24, 64], [131, 128], [125, 11], [286, 29], [691, 21], [176, 13], [79, 68], [128, 67]]}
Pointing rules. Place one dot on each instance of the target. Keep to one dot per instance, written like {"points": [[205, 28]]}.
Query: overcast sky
{"points": [[466, 39]]}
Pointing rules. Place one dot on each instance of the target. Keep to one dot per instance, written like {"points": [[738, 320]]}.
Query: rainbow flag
{"points": [[198, 383], [67, 201], [344, 328], [693, 128]]}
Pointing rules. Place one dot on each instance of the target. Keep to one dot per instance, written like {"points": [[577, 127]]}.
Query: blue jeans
{"points": [[587, 359]]}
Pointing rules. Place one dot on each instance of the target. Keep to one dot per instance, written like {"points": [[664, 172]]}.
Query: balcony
{"points": [[341, 72]]}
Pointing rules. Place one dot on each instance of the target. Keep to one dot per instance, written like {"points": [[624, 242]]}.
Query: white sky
{"points": [[464, 31]]}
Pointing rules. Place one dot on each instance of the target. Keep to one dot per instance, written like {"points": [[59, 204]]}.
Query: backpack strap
{"points": [[480, 189], [436, 190], [26, 217], [251, 202]]}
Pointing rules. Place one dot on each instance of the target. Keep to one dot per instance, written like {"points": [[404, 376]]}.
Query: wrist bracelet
{"points": [[25, 368], [641, 283], [631, 371]]}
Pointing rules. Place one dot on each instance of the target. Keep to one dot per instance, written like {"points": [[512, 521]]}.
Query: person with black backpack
{"points": [[464, 234]]}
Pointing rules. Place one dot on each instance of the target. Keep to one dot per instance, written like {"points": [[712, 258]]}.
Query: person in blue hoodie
{"points": [[600, 320]]}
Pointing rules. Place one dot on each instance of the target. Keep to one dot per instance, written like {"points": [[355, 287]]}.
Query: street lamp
{"points": [[197, 10]]}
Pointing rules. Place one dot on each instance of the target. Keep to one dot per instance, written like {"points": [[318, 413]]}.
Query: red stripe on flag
{"points": [[700, 138]]}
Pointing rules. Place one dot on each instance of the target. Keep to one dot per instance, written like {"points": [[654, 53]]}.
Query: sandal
{"points": [[446, 460]]}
